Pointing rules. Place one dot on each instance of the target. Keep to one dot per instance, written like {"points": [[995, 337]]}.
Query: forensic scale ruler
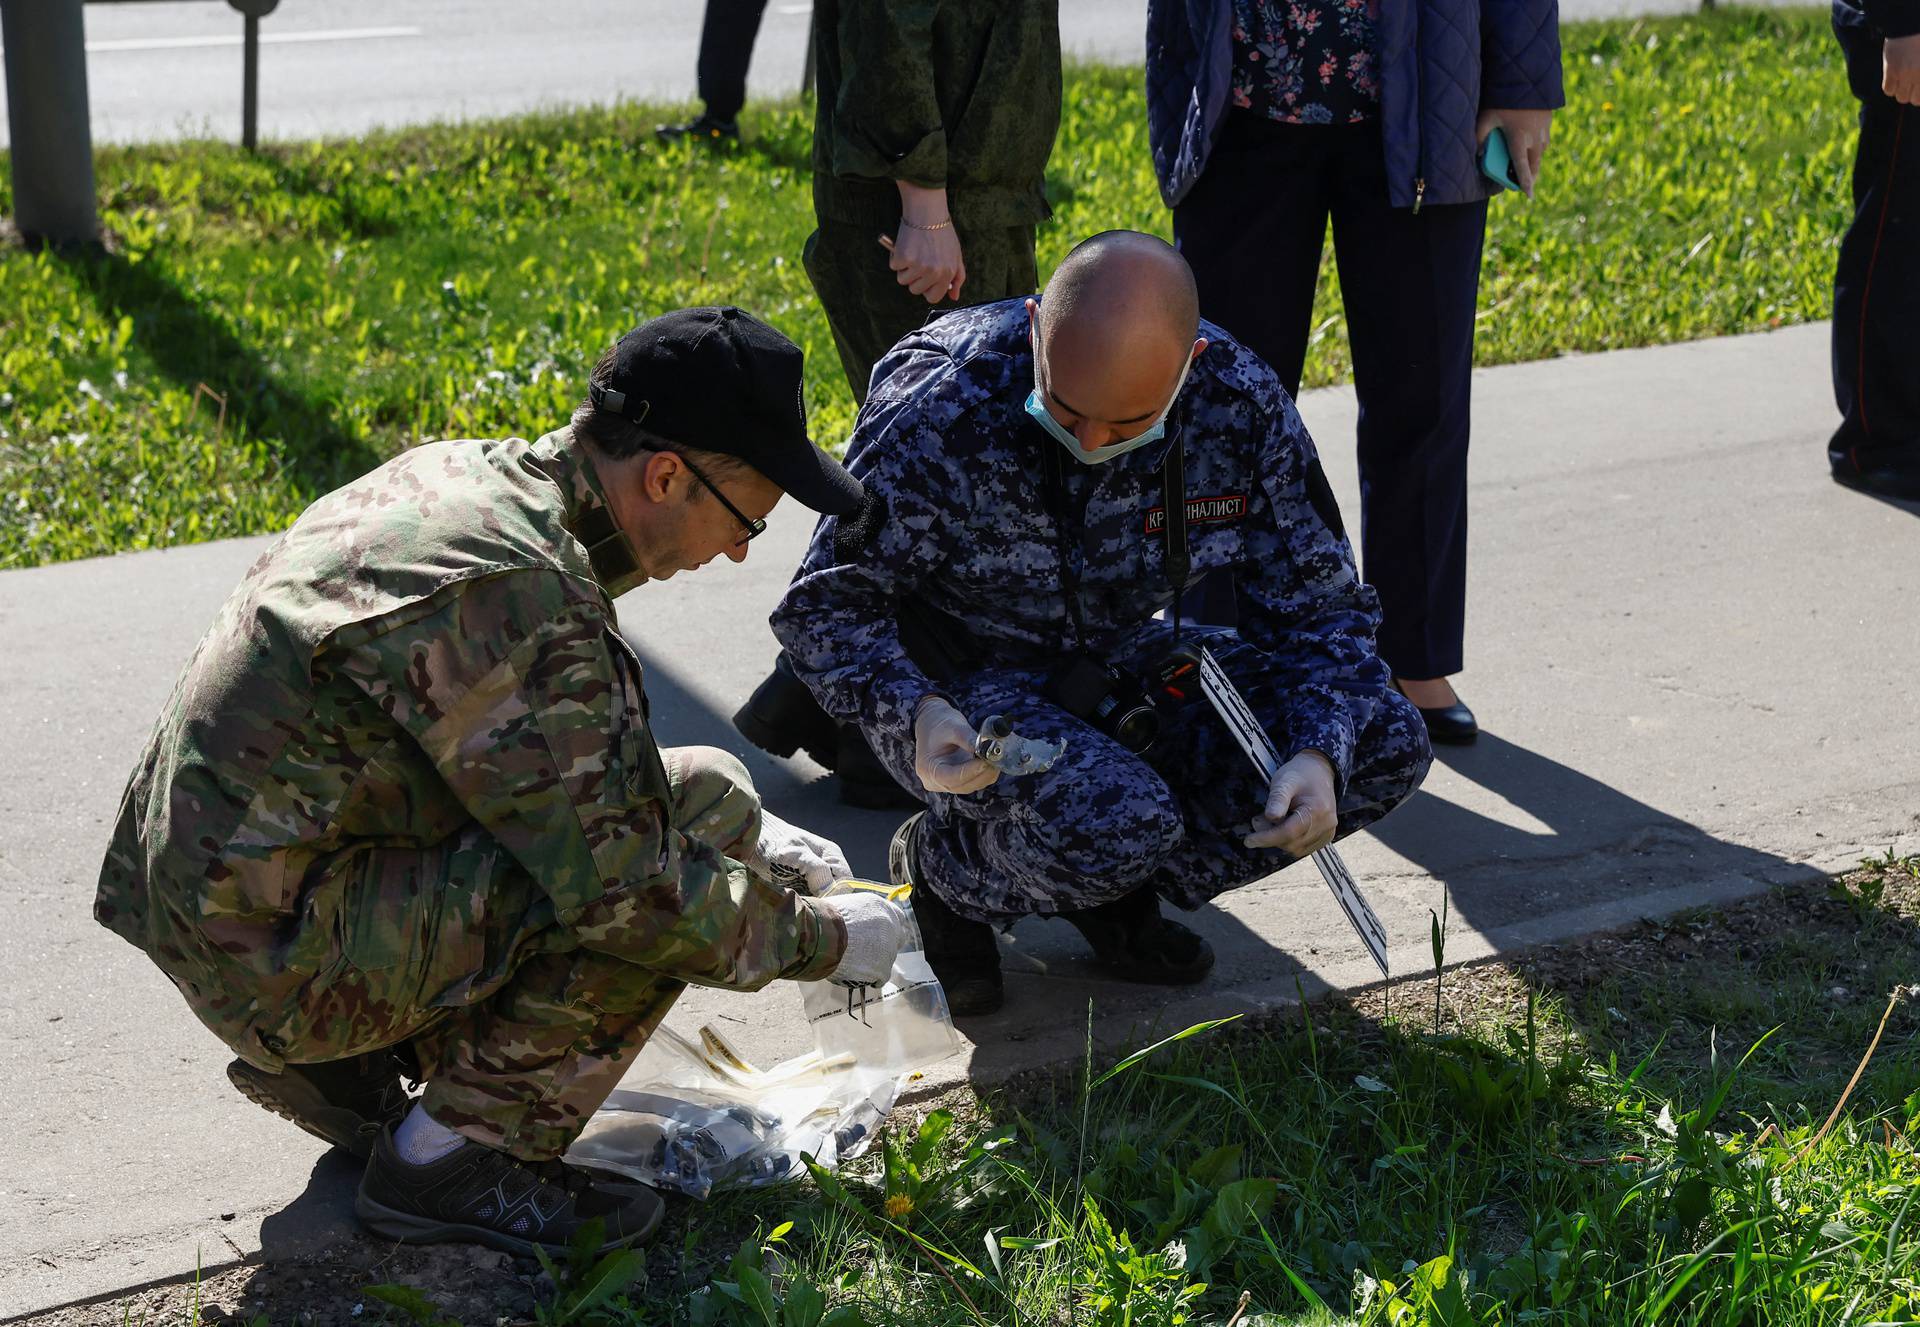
{"points": [[1232, 709]]}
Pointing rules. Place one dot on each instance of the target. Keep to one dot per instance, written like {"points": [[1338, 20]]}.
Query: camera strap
{"points": [[1173, 498], [1173, 501]]}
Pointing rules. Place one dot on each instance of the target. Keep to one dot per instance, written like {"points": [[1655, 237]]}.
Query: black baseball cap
{"points": [[720, 380]]}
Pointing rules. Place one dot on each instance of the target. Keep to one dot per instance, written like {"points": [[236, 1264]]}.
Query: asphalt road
{"points": [[1692, 653], [171, 69]]}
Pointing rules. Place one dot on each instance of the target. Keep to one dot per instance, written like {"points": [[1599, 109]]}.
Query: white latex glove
{"points": [[1300, 817], [787, 854], [875, 933], [943, 756]]}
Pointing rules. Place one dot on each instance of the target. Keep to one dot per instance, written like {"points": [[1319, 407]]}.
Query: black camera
{"points": [[1123, 706]]}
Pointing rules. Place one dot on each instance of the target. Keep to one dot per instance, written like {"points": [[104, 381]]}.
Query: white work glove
{"points": [[1300, 817], [875, 933], [788, 855], [943, 755]]}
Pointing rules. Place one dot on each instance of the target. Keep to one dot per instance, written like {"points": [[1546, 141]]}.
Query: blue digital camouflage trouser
{"points": [[1104, 822]]}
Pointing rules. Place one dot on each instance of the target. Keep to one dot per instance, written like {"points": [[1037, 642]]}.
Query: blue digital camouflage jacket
{"points": [[963, 521]]}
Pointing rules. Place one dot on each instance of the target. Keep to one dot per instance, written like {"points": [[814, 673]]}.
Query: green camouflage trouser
{"points": [[519, 1033], [869, 310]]}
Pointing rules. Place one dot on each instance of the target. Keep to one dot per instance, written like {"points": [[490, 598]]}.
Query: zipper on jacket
{"points": [[1419, 192]]}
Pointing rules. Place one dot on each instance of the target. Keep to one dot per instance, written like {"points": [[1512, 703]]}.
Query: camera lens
{"points": [[1135, 728]]}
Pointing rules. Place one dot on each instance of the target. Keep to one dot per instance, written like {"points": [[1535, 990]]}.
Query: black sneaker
{"points": [[963, 954], [1133, 942], [482, 1196], [345, 1102], [704, 130]]}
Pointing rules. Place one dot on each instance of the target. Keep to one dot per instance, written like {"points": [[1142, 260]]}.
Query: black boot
{"points": [[1133, 942], [782, 717], [864, 781], [963, 954]]}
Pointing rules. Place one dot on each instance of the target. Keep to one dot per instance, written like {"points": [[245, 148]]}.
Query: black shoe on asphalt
{"points": [[1133, 942], [345, 1102], [1452, 724], [704, 130], [1890, 476], [782, 717], [864, 781], [963, 954], [480, 1196]]}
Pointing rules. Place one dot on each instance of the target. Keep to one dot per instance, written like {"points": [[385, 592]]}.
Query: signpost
{"points": [[52, 154], [46, 66]]}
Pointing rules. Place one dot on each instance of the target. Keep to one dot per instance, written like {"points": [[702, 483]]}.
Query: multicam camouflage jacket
{"points": [[430, 647]]}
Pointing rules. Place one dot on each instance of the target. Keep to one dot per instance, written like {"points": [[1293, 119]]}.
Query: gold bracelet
{"points": [[938, 225]]}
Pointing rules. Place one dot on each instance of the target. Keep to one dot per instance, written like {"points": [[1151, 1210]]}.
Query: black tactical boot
{"points": [[345, 1102], [963, 954], [864, 781], [1133, 942], [476, 1194], [782, 717]]}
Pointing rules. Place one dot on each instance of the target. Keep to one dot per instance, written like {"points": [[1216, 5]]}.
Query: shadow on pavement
{"points": [[1595, 843], [321, 1215], [192, 344]]}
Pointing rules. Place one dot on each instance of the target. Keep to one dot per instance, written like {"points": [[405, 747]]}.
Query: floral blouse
{"points": [[1306, 61]]}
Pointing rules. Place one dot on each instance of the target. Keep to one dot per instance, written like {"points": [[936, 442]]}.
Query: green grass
{"points": [[275, 324], [1572, 1143], [1549, 1159]]}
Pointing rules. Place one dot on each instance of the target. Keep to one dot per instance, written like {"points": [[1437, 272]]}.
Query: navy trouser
{"points": [[1252, 230], [1876, 284], [1104, 822], [726, 49]]}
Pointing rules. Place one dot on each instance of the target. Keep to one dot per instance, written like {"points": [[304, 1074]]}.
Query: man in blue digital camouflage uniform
{"points": [[1021, 461]]}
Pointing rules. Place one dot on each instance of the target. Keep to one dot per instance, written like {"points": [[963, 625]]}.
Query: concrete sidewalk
{"points": [[1692, 652]]}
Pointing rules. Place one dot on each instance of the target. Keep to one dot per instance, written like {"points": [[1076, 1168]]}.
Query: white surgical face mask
{"points": [[1037, 407]]}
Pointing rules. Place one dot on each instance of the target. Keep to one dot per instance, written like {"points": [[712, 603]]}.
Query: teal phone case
{"points": [[1496, 163]]}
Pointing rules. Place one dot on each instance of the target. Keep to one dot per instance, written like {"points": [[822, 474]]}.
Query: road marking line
{"points": [[266, 39], [795, 9]]}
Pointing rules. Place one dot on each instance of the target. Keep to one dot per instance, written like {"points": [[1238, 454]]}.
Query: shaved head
{"points": [[1114, 333], [1123, 283]]}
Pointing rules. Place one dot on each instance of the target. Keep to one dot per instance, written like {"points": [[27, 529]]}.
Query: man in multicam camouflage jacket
{"points": [[1019, 460], [404, 810]]}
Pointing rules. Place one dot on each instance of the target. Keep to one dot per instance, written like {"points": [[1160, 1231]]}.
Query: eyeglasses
{"points": [[752, 526]]}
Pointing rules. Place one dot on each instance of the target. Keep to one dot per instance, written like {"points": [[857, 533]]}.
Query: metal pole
{"points": [[806, 69], [46, 64], [250, 86]]}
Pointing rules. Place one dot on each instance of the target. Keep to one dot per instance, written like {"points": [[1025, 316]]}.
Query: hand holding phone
{"points": [[1496, 162]]}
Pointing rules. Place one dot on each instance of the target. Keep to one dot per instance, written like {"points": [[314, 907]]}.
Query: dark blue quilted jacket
{"points": [[1440, 62]]}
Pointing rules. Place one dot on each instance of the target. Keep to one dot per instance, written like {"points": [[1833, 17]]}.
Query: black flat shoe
{"points": [[1453, 724], [1889, 478]]}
